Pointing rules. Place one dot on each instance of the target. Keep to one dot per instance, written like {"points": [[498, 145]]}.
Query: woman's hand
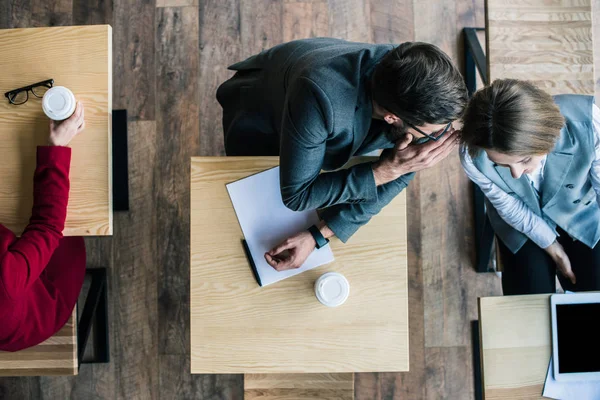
{"points": [[557, 253], [61, 133], [292, 252]]}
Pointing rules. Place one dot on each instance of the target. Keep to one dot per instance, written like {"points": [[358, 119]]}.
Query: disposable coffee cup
{"points": [[332, 289], [59, 103]]}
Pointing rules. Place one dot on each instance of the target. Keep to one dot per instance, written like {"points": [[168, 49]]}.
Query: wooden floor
{"points": [[169, 56]]}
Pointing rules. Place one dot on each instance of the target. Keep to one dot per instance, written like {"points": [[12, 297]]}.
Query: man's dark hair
{"points": [[420, 84]]}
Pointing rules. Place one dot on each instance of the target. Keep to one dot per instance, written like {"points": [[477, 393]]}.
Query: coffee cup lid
{"points": [[332, 289], [58, 103]]}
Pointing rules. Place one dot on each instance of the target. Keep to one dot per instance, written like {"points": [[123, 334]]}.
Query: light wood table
{"points": [[55, 356], [238, 327], [515, 345], [547, 42], [79, 58]]}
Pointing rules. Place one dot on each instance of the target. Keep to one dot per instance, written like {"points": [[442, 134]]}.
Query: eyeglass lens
{"points": [[39, 91], [19, 97]]}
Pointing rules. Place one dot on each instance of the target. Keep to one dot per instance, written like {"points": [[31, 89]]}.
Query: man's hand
{"points": [[292, 252], [295, 250], [563, 264], [61, 133], [403, 158]]}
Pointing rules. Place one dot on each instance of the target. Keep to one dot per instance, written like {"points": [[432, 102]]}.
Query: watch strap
{"points": [[319, 238]]}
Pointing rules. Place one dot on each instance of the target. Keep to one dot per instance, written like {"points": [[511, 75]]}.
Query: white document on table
{"points": [[266, 222], [585, 390]]}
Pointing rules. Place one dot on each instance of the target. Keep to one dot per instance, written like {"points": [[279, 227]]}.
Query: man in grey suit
{"points": [[318, 102]]}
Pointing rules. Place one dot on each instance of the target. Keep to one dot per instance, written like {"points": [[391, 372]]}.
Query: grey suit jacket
{"points": [[309, 101]]}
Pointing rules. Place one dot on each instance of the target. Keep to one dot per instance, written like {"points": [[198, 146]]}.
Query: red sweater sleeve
{"points": [[27, 256]]}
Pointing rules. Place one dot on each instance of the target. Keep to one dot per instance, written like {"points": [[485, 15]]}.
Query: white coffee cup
{"points": [[332, 289], [59, 103]]}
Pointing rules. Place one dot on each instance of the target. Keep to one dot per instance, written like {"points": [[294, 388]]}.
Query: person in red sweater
{"points": [[41, 273]]}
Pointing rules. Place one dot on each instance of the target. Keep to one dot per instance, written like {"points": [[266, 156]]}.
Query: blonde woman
{"points": [[537, 160]]}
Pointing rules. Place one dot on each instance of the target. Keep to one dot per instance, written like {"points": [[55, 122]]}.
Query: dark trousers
{"points": [[247, 129], [531, 270]]}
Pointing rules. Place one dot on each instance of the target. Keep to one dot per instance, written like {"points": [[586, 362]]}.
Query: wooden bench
{"points": [[63, 353], [55, 356]]}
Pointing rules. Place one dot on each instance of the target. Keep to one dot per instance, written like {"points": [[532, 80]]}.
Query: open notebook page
{"points": [[266, 222]]}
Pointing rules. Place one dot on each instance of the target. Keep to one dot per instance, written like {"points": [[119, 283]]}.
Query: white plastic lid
{"points": [[59, 103], [332, 289]]}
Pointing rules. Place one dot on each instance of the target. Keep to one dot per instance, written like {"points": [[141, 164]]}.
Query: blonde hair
{"points": [[512, 117]]}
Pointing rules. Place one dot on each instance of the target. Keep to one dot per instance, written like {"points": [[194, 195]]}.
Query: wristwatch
{"points": [[319, 238]]}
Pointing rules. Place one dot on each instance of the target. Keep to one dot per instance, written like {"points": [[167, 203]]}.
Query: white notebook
{"points": [[586, 390], [266, 222]]}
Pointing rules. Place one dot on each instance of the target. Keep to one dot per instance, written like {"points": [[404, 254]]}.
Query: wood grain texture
{"points": [[546, 42], [305, 19], [446, 212], [391, 21], [445, 376], [405, 385], [220, 46], [260, 25], [134, 51], [82, 62], [176, 3], [238, 327], [51, 13], [176, 382], [92, 12], [177, 129], [350, 20], [596, 44], [299, 386], [515, 345], [134, 293], [55, 356]]}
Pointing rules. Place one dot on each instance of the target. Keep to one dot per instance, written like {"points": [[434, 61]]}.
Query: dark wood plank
{"points": [[305, 19], [392, 21], [51, 12], [405, 385], [23, 388], [20, 14], [97, 381], [92, 12], [220, 46], [176, 382], [135, 274], [445, 376], [177, 138], [261, 25], [350, 20], [384, 18], [449, 302], [134, 75], [436, 22]]}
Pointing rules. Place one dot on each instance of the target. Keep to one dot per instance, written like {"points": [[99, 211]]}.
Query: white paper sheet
{"points": [[266, 222], [569, 390]]}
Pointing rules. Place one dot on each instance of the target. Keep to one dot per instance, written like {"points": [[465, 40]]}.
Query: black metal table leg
{"points": [[95, 313], [120, 173], [477, 376]]}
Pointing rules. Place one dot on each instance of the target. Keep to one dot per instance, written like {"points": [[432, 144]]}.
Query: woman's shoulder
{"points": [[575, 107]]}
